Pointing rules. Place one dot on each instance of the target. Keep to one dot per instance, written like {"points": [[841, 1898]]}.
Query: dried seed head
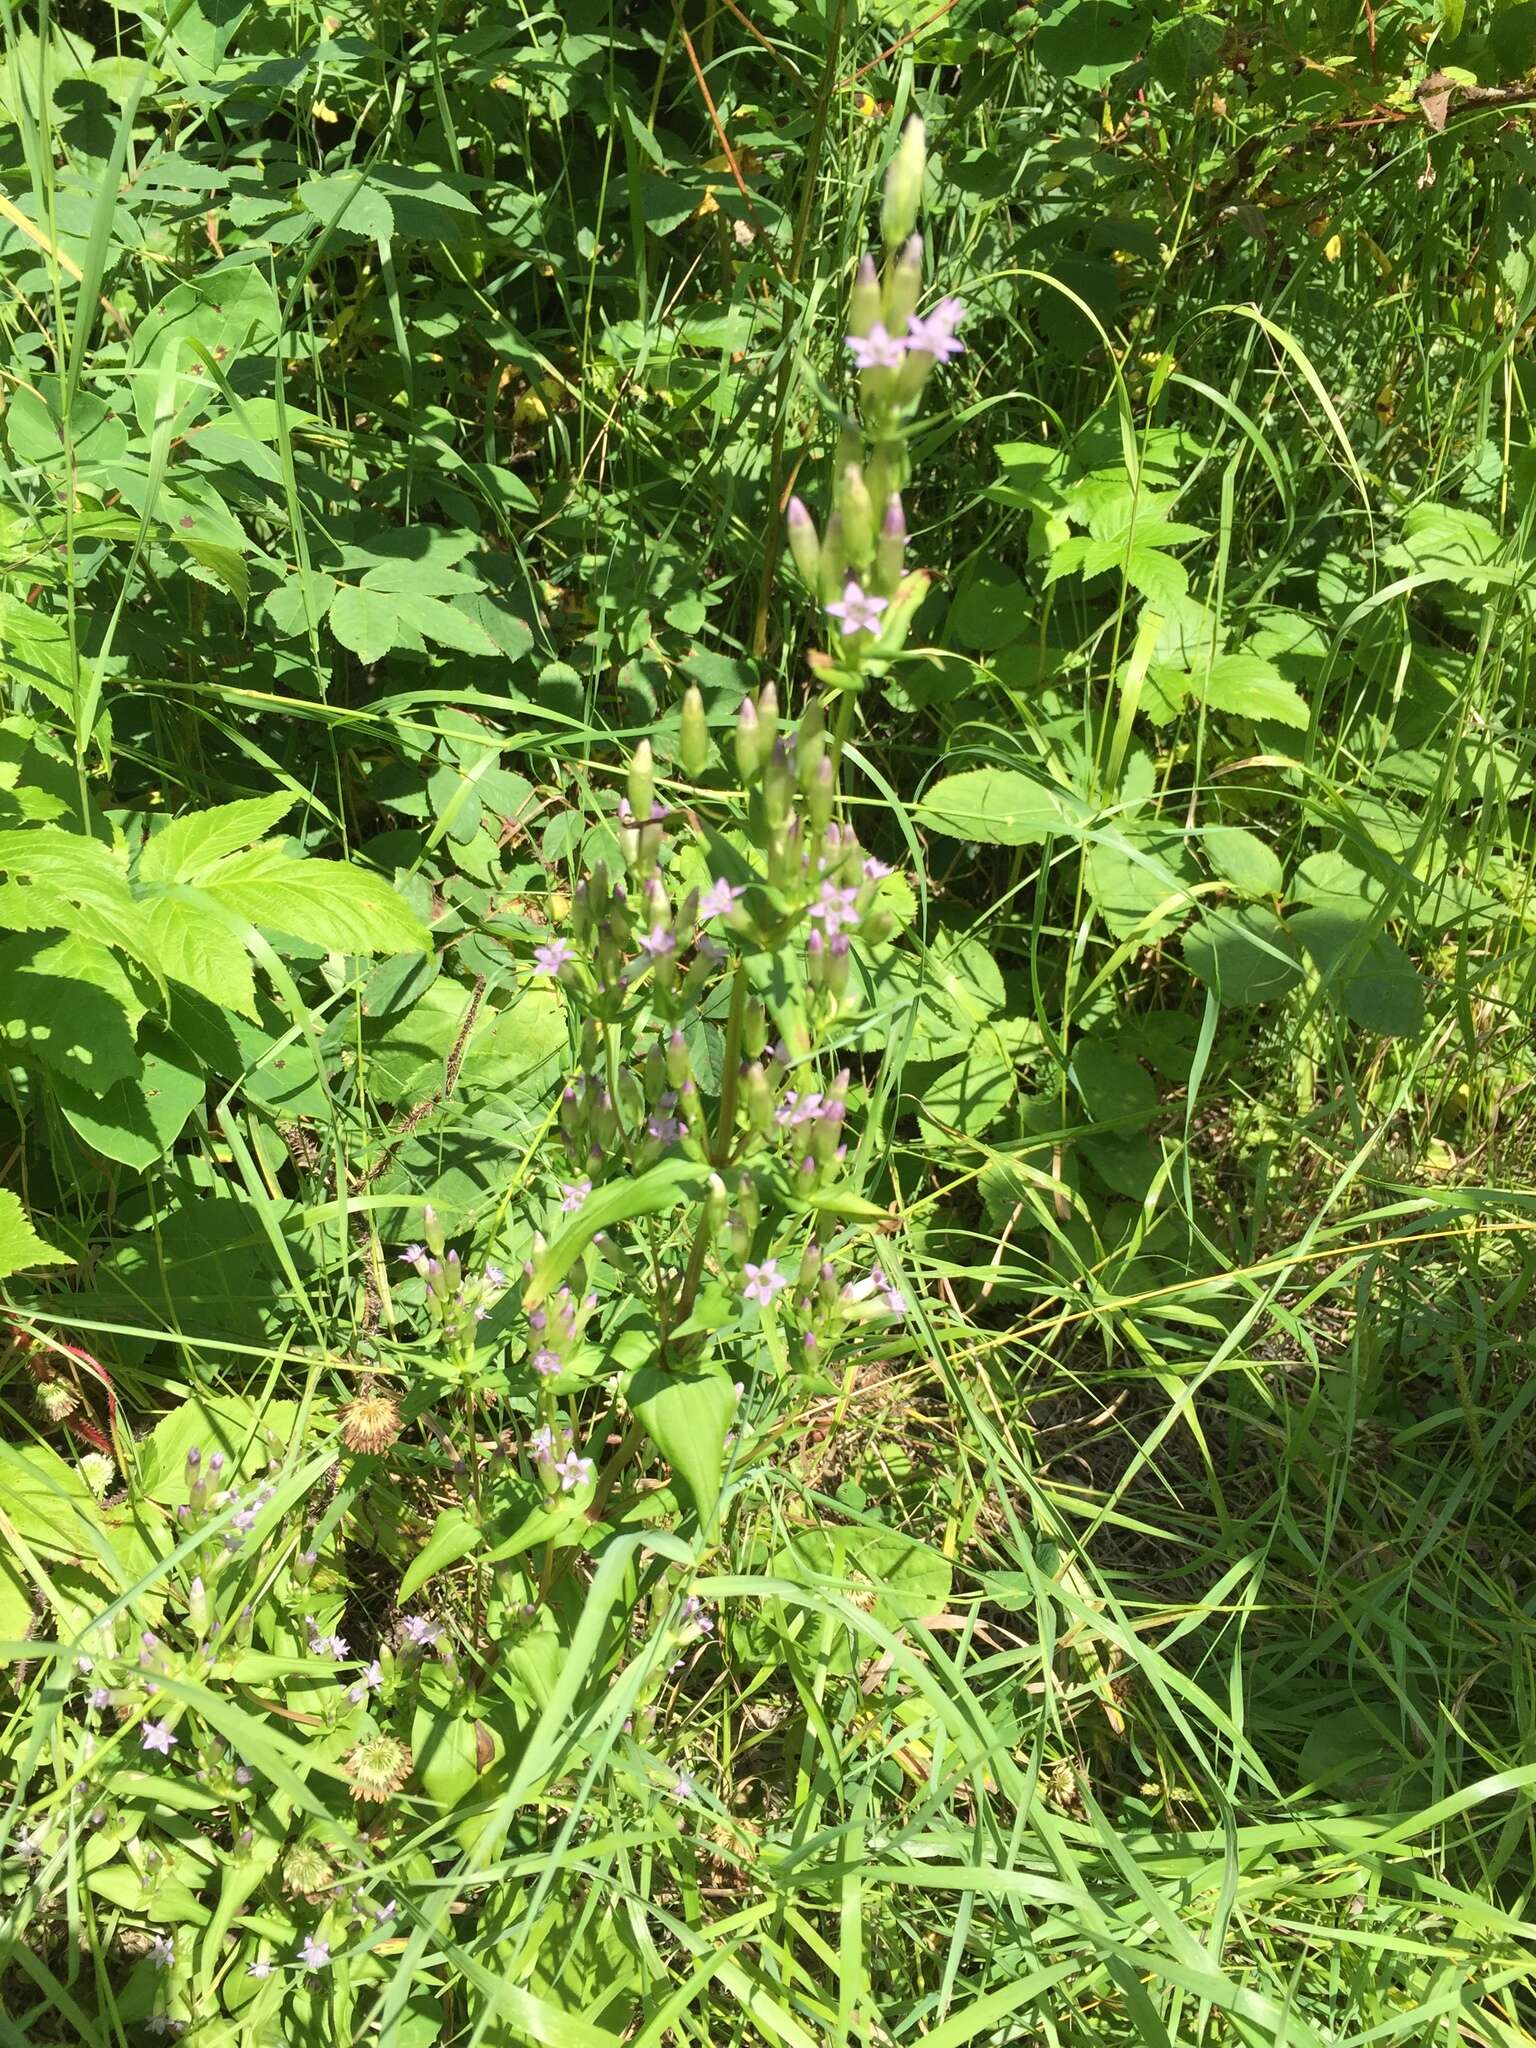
{"points": [[370, 1422], [307, 1871], [378, 1767]]}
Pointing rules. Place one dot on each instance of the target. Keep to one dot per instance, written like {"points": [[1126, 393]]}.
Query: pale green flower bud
{"points": [[778, 786], [716, 1202], [858, 514], [803, 544], [642, 783], [834, 559], [749, 1205], [750, 750], [757, 1098], [864, 299], [678, 1068], [905, 286], [904, 184], [890, 553], [768, 717], [693, 734], [754, 1028], [821, 795], [810, 741]]}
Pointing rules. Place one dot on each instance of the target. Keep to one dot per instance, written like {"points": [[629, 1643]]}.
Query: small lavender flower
{"points": [[163, 1954], [877, 350], [834, 908], [666, 1129], [408, 1257], [658, 942], [857, 610], [720, 899], [572, 1472], [495, 1277], [314, 1953], [541, 1445], [157, 1735], [243, 1774], [551, 958], [546, 1362], [422, 1630], [259, 1969], [934, 333], [683, 1787], [101, 1699], [876, 870], [763, 1282], [572, 1194], [385, 1913]]}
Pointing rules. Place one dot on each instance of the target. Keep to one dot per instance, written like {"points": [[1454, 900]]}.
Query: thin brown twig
{"points": [[891, 49], [723, 139]]}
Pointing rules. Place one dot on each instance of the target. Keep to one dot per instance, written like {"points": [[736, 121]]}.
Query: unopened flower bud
{"points": [[778, 786], [810, 741], [821, 795], [864, 299], [803, 544], [749, 1205], [677, 1064], [717, 1202], [906, 285], [815, 959], [757, 1097], [750, 752], [754, 1028], [904, 184], [838, 965], [890, 552], [858, 515], [693, 734], [642, 783], [810, 1267], [197, 1607], [834, 559]]}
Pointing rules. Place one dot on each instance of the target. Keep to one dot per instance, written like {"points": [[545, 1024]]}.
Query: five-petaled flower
{"points": [[259, 1969], [546, 1362], [314, 1953], [422, 1630], [158, 1735], [572, 1472], [763, 1282], [877, 350], [682, 1786], [720, 899], [857, 610], [572, 1194], [934, 333], [835, 907], [163, 1954], [658, 942], [550, 958]]}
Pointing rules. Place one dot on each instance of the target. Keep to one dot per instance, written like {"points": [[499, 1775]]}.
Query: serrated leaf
{"points": [[1370, 977], [443, 624], [1244, 860], [193, 942], [1245, 955], [20, 1245], [189, 846], [45, 871], [67, 1003], [1139, 881], [1246, 685], [139, 1118], [324, 902], [366, 621], [1000, 807]]}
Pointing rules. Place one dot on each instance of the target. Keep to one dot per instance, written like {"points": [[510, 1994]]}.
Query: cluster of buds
{"points": [[558, 1463], [457, 1300], [555, 1330], [206, 1498], [825, 1305], [857, 566]]}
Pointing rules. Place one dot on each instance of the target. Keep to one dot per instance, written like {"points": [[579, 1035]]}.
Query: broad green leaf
{"points": [[644, 1194], [185, 849], [1368, 974], [454, 1536], [348, 202], [68, 1003], [1246, 685], [45, 872], [441, 623], [1000, 807], [1115, 1088], [366, 621], [192, 941], [1245, 955], [687, 1416], [139, 1118], [988, 611], [1139, 880], [20, 1245], [1244, 859], [327, 903], [1334, 883]]}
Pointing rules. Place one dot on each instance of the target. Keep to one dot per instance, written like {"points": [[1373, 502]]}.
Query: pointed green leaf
{"points": [[20, 1245], [1000, 807], [1245, 955], [686, 1416]]}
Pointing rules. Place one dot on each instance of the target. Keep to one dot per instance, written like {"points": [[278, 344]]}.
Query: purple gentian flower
{"points": [[314, 1954], [720, 899], [549, 959], [763, 1282], [157, 1735], [857, 610], [572, 1194], [877, 350]]}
